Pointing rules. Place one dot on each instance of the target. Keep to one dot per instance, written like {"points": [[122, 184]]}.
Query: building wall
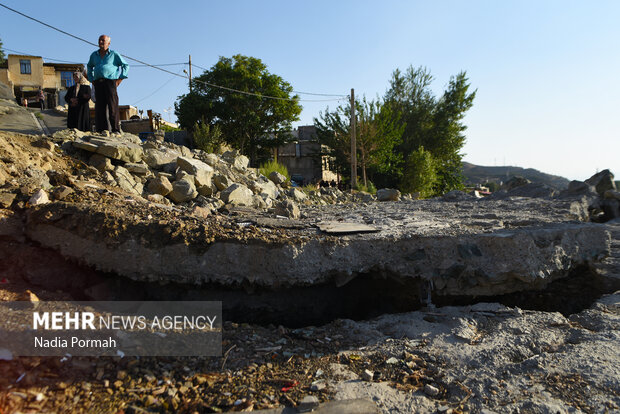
{"points": [[4, 77], [34, 79], [51, 79]]}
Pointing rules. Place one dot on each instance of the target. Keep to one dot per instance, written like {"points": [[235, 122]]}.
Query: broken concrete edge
{"points": [[480, 264], [356, 406]]}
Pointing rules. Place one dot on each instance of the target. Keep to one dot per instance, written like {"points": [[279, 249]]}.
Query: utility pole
{"points": [[190, 73], [353, 144]]}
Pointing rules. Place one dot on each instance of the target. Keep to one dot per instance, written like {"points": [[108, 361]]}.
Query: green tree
{"points": [[206, 137], [2, 55], [420, 173], [249, 123], [378, 131], [431, 122]]}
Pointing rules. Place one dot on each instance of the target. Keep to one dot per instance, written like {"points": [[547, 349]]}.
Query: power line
{"points": [[167, 71], [155, 91], [68, 61], [299, 92]]}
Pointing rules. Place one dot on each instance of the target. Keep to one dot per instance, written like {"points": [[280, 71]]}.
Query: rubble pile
{"points": [[169, 174]]}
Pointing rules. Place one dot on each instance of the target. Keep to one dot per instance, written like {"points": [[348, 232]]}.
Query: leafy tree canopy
{"points": [[2, 55], [247, 122], [378, 131], [432, 123]]}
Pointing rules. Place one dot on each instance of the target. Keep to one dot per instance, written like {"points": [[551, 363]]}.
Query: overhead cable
{"points": [[172, 73]]}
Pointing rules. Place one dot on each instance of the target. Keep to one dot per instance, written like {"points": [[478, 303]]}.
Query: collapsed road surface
{"points": [[107, 242]]}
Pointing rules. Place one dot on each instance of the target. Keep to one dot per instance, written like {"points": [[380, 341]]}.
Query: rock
{"points": [[611, 195], [211, 159], [430, 390], [59, 178], [578, 188], [241, 162], [183, 190], [156, 158], [201, 211], [40, 197], [222, 182], [123, 151], [229, 156], [533, 190], [456, 195], [201, 171], [137, 168], [515, 182], [264, 186], [125, 180], [602, 181], [388, 194], [37, 177], [61, 192], [85, 145], [287, 208], [318, 385], [237, 195], [100, 162], [296, 194], [28, 296], [308, 404], [207, 190], [277, 178], [367, 375], [160, 185], [6, 199]]}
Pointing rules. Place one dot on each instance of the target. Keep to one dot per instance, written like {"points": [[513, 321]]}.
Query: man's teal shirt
{"points": [[111, 66]]}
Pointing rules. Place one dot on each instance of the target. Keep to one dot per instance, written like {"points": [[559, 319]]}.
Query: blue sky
{"points": [[546, 72]]}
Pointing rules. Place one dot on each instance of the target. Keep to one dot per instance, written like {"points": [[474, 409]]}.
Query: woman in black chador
{"points": [[77, 98]]}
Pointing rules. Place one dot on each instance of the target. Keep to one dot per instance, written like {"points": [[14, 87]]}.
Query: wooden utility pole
{"points": [[353, 144], [190, 73]]}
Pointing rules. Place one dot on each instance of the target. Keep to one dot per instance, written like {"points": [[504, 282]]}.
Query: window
{"points": [[66, 79], [24, 66]]}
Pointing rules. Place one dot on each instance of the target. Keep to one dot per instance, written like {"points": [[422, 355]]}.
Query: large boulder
{"points": [[202, 172], [235, 159], [222, 182], [263, 186], [123, 151], [287, 208], [296, 194], [602, 181], [533, 190], [100, 162], [158, 158], [278, 178], [160, 185], [515, 182], [388, 194], [577, 189], [183, 190], [237, 195], [125, 180]]}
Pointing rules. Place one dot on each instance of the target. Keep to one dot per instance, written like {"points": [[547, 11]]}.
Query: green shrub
{"points": [[38, 115], [270, 166], [420, 173], [370, 188], [207, 138]]}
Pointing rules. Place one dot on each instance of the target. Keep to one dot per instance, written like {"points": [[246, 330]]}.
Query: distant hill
{"points": [[476, 174]]}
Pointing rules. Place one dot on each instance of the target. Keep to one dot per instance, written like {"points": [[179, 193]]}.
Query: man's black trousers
{"points": [[106, 102]]}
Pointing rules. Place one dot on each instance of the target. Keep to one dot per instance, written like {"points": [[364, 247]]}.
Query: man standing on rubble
{"points": [[106, 69]]}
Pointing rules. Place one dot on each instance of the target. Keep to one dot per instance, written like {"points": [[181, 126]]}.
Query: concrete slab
{"points": [[339, 227], [467, 248], [357, 406]]}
